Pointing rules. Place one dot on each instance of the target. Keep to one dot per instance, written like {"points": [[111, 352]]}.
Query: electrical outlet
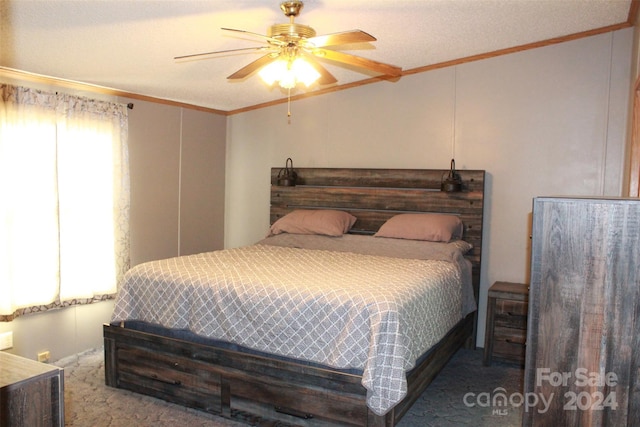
{"points": [[44, 357], [6, 340]]}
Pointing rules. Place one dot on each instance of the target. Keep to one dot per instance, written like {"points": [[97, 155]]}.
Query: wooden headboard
{"points": [[375, 195]]}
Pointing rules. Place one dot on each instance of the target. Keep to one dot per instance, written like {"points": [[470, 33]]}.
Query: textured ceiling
{"points": [[130, 45]]}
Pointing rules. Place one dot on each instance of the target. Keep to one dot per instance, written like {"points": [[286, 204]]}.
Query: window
{"points": [[64, 185]]}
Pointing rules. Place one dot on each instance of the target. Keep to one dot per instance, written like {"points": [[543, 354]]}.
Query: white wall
{"points": [[177, 164], [547, 121], [62, 332]]}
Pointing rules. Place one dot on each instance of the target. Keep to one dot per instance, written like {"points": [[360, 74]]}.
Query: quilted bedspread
{"points": [[340, 309]]}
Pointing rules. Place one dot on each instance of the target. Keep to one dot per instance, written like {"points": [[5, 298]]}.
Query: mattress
{"points": [[349, 302]]}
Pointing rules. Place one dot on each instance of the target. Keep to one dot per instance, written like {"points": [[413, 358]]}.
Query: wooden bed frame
{"points": [[260, 390]]}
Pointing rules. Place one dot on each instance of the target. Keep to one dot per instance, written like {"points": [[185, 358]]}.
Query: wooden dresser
{"points": [[583, 340], [506, 330], [31, 393]]}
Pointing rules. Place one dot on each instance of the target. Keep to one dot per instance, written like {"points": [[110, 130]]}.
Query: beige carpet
{"points": [[451, 400]]}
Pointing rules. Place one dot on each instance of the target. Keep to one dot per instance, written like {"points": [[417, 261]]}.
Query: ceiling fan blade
{"points": [[218, 52], [261, 36], [354, 36], [358, 61], [253, 66], [326, 78]]}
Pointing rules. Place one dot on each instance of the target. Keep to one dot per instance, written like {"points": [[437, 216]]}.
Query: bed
{"points": [[301, 344]]}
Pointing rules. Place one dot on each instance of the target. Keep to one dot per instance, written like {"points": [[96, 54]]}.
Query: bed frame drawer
{"points": [[170, 377], [228, 384], [258, 390]]}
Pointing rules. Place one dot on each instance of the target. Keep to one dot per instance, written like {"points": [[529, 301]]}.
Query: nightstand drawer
{"points": [[511, 307], [510, 314], [509, 344], [509, 335]]}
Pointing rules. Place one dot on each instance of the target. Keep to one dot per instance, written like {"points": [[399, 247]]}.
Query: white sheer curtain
{"points": [[64, 194]]}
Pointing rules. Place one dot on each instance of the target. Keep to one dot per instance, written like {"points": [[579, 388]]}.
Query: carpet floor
{"points": [[461, 395]]}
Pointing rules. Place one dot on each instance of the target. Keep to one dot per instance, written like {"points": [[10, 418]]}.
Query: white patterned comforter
{"points": [[341, 309]]}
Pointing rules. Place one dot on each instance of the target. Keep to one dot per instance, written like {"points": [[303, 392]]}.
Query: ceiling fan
{"points": [[292, 51]]}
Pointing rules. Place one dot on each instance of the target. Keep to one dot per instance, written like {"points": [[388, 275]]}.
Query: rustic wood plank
{"points": [[31, 393], [376, 199], [395, 178], [110, 377], [585, 290], [225, 398]]}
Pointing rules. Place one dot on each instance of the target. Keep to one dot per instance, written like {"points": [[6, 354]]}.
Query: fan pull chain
{"points": [[289, 106]]}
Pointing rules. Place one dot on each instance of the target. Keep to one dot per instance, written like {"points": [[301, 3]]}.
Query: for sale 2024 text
{"points": [[581, 377]]}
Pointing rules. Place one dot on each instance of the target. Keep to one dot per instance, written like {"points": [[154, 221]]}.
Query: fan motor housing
{"points": [[291, 32]]}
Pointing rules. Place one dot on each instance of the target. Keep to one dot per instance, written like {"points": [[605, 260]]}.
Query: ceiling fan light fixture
{"points": [[289, 73], [287, 45], [304, 72], [272, 72]]}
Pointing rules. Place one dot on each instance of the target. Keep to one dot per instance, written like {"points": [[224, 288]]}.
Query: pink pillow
{"points": [[432, 227], [308, 221]]}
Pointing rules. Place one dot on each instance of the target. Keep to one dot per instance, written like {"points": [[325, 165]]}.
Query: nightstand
{"points": [[31, 393], [506, 330]]}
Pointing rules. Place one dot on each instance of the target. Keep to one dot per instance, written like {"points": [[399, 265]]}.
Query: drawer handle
{"points": [[162, 380], [293, 412]]}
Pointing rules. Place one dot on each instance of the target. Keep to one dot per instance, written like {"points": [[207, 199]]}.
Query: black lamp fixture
{"points": [[287, 177], [452, 183]]}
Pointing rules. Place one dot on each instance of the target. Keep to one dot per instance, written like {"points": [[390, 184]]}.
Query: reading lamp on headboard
{"points": [[453, 182], [287, 176]]}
